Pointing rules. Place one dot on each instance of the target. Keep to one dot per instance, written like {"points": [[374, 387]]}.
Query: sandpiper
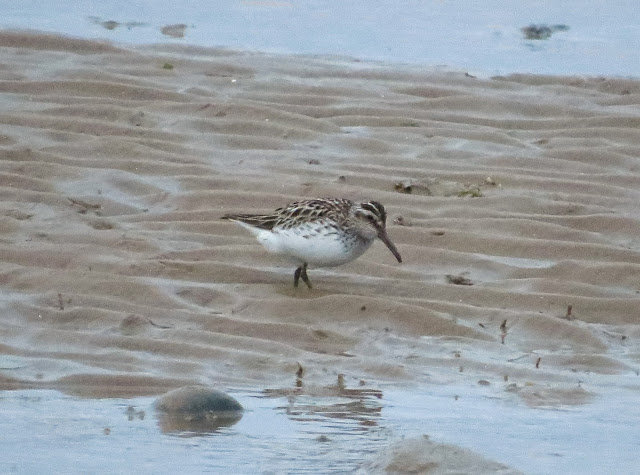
{"points": [[323, 232]]}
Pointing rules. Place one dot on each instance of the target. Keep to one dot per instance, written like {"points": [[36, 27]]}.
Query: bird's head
{"points": [[370, 220]]}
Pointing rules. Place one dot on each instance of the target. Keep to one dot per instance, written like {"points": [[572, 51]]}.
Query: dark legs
{"points": [[305, 277], [301, 272]]}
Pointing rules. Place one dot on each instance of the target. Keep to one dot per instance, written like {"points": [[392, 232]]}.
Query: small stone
{"points": [[403, 187], [174, 31], [459, 279], [401, 221], [133, 324], [197, 409], [197, 400]]}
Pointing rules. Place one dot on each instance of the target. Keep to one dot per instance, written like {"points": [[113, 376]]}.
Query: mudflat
{"points": [[513, 201]]}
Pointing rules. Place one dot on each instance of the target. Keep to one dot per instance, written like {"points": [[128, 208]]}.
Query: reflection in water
{"points": [[305, 405], [193, 425], [133, 414], [310, 411]]}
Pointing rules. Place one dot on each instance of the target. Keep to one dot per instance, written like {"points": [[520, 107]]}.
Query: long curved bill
{"points": [[384, 237]]}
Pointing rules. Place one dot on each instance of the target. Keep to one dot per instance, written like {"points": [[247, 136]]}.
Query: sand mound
{"points": [[421, 455]]}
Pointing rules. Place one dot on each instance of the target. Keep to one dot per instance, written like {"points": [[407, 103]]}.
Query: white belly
{"points": [[303, 244]]}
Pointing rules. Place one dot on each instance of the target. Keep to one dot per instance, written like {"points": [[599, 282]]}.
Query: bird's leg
{"points": [[305, 277], [296, 276], [301, 272]]}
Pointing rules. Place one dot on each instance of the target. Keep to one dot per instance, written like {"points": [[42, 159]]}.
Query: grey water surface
{"points": [[598, 38], [46, 431]]}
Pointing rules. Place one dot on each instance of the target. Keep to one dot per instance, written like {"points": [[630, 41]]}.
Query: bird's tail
{"points": [[261, 221]]}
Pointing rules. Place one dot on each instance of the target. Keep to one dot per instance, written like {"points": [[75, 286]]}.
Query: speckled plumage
{"points": [[323, 232]]}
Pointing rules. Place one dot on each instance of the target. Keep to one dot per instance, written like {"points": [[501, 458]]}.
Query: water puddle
{"points": [[47, 431], [520, 262]]}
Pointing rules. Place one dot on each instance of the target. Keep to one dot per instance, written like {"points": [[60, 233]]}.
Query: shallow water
{"points": [[482, 37], [45, 431]]}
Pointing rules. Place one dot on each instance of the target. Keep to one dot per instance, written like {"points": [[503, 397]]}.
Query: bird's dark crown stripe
{"points": [[371, 209], [378, 206], [375, 208]]}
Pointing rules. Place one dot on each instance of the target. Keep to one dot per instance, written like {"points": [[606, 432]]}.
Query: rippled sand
{"points": [[119, 278]]}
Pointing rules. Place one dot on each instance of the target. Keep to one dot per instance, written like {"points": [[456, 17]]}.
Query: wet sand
{"points": [[119, 278]]}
